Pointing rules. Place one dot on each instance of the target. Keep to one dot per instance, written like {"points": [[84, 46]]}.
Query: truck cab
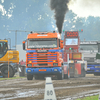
{"points": [[43, 55], [3, 48]]}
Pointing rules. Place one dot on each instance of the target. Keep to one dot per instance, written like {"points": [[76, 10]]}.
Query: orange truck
{"points": [[73, 59], [44, 55]]}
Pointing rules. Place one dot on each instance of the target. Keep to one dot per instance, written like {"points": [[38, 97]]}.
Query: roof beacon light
{"points": [[80, 30]]}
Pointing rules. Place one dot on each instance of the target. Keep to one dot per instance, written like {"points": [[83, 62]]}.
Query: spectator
{"points": [[22, 63]]}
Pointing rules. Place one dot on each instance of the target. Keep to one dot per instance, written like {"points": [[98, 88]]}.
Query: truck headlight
{"points": [[29, 70]]}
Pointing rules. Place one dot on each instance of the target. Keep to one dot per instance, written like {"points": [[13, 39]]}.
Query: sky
{"points": [[16, 15], [7, 12], [85, 8]]}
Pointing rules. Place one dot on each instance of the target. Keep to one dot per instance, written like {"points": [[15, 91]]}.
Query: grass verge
{"points": [[11, 78], [89, 98]]}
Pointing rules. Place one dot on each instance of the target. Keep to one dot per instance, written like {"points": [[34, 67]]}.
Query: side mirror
{"points": [[61, 44], [23, 45]]}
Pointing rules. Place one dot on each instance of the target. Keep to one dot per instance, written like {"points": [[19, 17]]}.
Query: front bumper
{"points": [[93, 70], [43, 70]]}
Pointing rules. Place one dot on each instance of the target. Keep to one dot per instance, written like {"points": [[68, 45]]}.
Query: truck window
{"points": [[89, 47], [71, 41], [3, 48]]}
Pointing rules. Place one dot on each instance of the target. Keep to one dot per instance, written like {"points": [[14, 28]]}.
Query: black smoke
{"points": [[60, 7]]}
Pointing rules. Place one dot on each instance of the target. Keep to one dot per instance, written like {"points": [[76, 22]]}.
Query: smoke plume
{"points": [[60, 8]]}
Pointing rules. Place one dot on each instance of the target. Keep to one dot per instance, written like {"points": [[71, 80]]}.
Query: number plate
{"points": [[42, 51], [42, 69]]}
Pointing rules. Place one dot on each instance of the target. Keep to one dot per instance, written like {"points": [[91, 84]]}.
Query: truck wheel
{"points": [[4, 71], [83, 73], [67, 76], [60, 76], [29, 77]]}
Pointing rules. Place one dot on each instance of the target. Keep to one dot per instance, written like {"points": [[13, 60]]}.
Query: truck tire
{"points": [[4, 71], [29, 77], [67, 76], [60, 76], [83, 73]]}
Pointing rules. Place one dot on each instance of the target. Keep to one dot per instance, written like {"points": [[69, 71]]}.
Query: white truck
{"points": [[89, 50]]}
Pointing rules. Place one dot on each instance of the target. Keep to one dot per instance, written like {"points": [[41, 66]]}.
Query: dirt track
{"points": [[23, 89]]}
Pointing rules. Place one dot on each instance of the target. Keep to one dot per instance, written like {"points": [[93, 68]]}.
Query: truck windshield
{"points": [[71, 41], [3, 48], [89, 47], [42, 43]]}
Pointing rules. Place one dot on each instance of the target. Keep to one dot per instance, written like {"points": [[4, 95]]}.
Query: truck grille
{"points": [[42, 59], [89, 66], [97, 66], [42, 64]]}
